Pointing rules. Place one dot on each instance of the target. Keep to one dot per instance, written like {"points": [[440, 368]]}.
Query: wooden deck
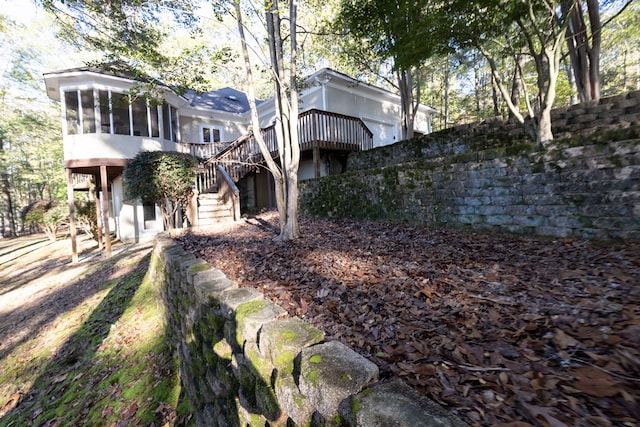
{"points": [[318, 130]]}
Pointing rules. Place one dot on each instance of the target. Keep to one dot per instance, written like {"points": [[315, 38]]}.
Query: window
{"points": [[105, 111], [120, 111], [174, 124], [72, 111], [113, 112], [88, 111], [170, 122], [149, 215], [153, 114], [209, 134], [140, 118]]}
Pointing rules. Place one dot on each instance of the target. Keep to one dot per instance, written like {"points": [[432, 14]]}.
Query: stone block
{"points": [[330, 373], [228, 300], [293, 402], [263, 367], [553, 231], [250, 317], [528, 221], [395, 404], [206, 291], [282, 340]]}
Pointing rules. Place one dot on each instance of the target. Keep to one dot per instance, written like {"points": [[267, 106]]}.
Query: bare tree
{"points": [[285, 173]]}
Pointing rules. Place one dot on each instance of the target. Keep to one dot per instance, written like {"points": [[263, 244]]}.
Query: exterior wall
{"points": [[101, 146], [380, 115], [129, 217], [230, 129]]}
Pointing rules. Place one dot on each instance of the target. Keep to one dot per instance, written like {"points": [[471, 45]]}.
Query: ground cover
{"points": [[504, 330], [83, 344]]}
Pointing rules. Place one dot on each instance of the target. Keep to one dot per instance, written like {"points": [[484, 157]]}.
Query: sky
{"points": [[22, 11]]}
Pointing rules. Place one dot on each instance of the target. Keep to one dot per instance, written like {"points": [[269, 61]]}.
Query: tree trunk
{"points": [[447, 77], [584, 48], [285, 175], [5, 184], [517, 83], [407, 113]]}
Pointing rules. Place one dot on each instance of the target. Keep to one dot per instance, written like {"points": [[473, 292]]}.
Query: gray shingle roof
{"points": [[225, 99]]}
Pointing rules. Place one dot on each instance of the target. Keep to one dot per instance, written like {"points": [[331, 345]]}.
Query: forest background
{"points": [[201, 49]]}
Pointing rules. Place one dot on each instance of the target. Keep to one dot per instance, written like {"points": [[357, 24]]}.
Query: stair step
{"points": [[213, 221], [214, 214]]}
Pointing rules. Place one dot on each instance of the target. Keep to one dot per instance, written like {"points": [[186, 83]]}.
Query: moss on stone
{"points": [[316, 358], [199, 268]]}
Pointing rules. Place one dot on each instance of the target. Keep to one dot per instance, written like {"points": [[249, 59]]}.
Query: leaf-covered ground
{"points": [[506, 330]]}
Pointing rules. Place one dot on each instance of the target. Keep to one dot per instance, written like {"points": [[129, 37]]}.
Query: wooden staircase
{"points": [[213, 209], [217, 176]]}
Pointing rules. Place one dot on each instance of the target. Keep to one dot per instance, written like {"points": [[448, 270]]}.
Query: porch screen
{"points": [[72, 112], [120, 111], [155, 126], [88, 112], [140, 119], [105, 111]]}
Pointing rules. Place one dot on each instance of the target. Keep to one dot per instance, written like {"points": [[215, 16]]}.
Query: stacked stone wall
{"points": [[243, 362], [489, 175]]}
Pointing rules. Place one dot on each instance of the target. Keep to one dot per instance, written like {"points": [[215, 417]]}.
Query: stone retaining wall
{"points": [[490, 176], [243, 362]]}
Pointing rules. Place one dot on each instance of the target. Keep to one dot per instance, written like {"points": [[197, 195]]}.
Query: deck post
{"points": [[105, 208], [93, 199], [72, 217], [316, 160]]}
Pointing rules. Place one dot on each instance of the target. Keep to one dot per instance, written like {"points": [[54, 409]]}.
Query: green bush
{"points": [[47, 215]]}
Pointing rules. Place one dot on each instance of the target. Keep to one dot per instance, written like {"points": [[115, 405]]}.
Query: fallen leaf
{"points": [[544, 412], [562, 340]]}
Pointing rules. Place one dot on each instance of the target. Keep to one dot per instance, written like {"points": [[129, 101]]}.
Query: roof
{"points": [[226, 99], [115, 69]]}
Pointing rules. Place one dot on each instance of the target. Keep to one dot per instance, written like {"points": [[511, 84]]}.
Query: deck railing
{"points": [[316, 129]]}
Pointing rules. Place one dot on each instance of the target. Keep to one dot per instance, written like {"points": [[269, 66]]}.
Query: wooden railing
{"points": [[202, 150], [316, 129]]}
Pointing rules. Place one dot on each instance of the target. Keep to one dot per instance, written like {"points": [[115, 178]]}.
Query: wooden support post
{"points": [[95, 201], [72, 217], [316, 160], [105, 209]]}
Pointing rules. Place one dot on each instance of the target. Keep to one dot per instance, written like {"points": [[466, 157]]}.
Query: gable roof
{"points": [[226, 99]]}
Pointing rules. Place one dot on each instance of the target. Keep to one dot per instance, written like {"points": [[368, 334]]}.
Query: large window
{"points": [[88, 111], [105, 111], [140, 117], [170, 122], [120, 113], [153, 116], [72, 112]]}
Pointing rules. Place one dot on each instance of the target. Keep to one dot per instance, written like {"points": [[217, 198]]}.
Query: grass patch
{"points": [[104, 362]]}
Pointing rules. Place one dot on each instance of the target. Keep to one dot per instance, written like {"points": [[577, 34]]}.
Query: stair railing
{"points": [[316, 129]]}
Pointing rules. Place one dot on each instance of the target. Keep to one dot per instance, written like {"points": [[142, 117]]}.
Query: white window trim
{"points": [[211, 128]]}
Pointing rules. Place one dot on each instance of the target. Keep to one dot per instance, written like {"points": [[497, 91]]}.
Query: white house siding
{"points": [[379, 115], [107, 146], [230, 130], [129, 216]]}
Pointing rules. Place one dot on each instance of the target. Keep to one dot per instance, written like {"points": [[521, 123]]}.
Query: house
{"points": [[105, 124]]}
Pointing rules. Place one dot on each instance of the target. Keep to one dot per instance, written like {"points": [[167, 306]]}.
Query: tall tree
{"points": [[285, 173], [386, 28], [30, 144], [584, 42]]}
